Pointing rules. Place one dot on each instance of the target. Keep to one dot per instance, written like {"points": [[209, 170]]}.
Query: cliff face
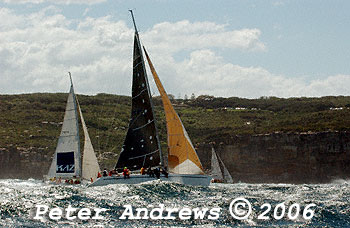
{"points": [[284, 158], [273, 158], [23, 163]]}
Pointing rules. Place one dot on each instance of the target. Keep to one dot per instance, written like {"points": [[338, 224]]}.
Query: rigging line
{"points": [[63, 136], [144, 160], [110, 129], [144, 155], [111, 125], [69, 119], [139, 93], [153, 111], [101, 111], [69, 110], [130, 124], [133, 20], [133, 121], [135, 129], [137, 65]]}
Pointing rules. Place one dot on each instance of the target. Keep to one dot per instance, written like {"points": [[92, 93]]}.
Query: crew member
{"points": [[150, 172], [157, 172], [113, 172], [105, 173], [126, 173], [164, 172], [143, 172]]}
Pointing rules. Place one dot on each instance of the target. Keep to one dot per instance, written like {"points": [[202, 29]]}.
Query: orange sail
{"points": [[182, 157]]}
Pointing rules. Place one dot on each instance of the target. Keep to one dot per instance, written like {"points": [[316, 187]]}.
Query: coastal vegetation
{"points": [[34, 120]]}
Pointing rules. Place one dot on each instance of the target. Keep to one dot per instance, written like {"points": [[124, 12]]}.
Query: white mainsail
{"points": [[90, 163], [66, 161], [215, 166]]}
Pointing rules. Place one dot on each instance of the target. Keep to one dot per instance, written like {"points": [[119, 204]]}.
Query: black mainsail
{"points": [[141, 147]]}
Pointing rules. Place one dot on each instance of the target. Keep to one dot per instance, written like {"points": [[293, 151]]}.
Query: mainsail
{"points": [[215, 166], [182, 157], [67, 159], [141, 147], [90, 164]]}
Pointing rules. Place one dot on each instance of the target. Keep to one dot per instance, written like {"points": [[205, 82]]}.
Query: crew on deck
{"points": [[126, 173], [157, 172], [113, 172], [105, 172], [150, 172], [165, 172], [143, 171]]}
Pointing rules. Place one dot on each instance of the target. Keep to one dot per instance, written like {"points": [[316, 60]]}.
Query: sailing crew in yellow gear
{"points": [[143, 171]]}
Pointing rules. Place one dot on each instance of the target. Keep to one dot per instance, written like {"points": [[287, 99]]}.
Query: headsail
{"points": [[141, 147], [66, 161], [182, 157], [90, 164]]}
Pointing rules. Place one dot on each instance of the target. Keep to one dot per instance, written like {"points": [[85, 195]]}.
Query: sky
{"points": [[223, 48]]}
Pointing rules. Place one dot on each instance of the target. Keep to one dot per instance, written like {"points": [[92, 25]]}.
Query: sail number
{"points": [[65, 168], [241, 209]]}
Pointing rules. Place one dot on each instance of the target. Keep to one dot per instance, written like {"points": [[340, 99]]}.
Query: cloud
{"points": [[57, 2], [278, 3], [38, 49], [190, 36], [206, 73]]}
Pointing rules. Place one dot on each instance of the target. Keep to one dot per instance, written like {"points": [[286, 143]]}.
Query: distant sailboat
{"points": [[219, 172], [67, 159], [141, 147]]}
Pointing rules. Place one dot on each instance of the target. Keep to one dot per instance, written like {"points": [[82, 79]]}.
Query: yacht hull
{"points": [[187, 179]]}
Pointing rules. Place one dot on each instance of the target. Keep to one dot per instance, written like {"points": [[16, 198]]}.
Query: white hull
{"points": [[187, 179]]}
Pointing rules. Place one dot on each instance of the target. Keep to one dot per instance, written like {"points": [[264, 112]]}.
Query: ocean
{"points": [[33, 203]]}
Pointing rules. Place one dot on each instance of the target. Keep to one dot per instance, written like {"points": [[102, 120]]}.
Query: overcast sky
{"points": [[244, 48]]}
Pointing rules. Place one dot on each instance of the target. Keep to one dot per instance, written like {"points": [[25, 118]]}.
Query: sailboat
{"points": [[68, 162], [141, 148], [219, 172]]}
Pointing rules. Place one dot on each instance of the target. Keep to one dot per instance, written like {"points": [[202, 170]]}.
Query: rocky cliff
{"points": [[272, 158], [24, 163], [284, 158]]}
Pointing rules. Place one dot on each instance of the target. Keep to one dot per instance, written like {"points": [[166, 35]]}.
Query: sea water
{"points": [[330, 206]]}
